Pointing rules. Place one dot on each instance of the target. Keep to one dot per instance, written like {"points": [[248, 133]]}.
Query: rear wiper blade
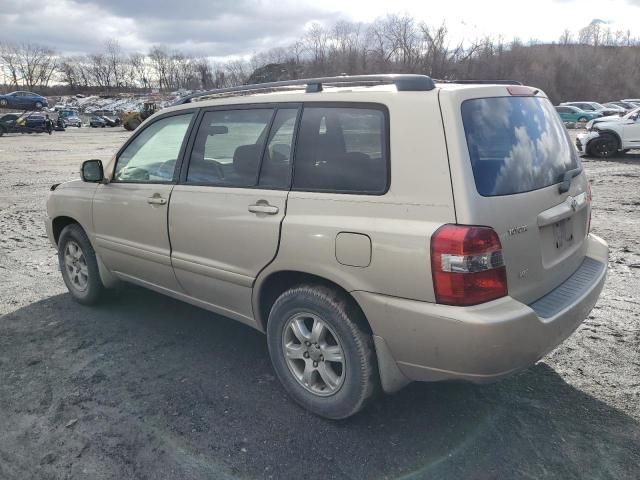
{"points": [[566, 179]]}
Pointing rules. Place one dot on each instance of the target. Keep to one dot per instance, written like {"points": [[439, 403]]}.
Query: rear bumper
{"points": [[484, 342]]}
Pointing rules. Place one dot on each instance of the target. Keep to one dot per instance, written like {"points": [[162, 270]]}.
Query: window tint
{"points": [[516, 144], [276, 164], [152, 155], [228, 147], [342, 150]]}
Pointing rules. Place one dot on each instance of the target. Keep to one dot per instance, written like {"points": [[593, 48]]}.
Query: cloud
{"points": [[199, 27]]}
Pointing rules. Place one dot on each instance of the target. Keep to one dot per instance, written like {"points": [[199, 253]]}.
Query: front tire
{"points": [[603, 147], [79, 266], [321, 351], [582, 120]]}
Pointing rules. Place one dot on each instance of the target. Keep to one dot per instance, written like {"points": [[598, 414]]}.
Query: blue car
{"points": [[26, 100]]}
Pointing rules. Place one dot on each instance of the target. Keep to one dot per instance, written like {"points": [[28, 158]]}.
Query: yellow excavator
{"points": [[132, 120]]}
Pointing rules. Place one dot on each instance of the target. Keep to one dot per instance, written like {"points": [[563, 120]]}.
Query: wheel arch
{"points": [[59, 223], [613, 134], [269, 288]]}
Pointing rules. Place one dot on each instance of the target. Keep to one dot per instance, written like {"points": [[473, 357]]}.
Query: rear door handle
{"points": [[263, 207], [157, 200]]}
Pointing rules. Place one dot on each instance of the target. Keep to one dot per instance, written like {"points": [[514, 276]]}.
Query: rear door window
{"points": [[228, 147], [276, 162], [516, 144], [342, 150]]}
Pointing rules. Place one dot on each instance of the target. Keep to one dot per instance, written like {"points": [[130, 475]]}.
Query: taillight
{"points": [[467, 265]]}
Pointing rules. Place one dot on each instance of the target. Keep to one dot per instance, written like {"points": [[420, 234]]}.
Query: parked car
{"points": [[628, 106], [8, 123], [574, 114], [412, 232], [621, 110], [96, 122], [23, 123], [593, 107], [71, 117], [26, 100], [631, 100], [605, 138], [34, 121]]}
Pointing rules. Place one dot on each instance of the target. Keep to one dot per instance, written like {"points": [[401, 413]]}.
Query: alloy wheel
{"points": [[604, 149], [313, 354], [76, 266]]}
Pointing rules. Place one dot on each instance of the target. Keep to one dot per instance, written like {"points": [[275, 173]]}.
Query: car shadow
{"points": [[143, 386]]}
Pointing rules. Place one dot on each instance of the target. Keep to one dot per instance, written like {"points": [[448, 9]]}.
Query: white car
{"points": [[609, 135]]}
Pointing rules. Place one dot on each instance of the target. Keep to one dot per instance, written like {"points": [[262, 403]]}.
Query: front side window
{"points": [[152, 156], [516, 144], [229, 146], [342, 150]]}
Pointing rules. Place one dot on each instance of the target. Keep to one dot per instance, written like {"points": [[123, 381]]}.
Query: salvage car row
{"points": [[41, 122], [582, 112]]}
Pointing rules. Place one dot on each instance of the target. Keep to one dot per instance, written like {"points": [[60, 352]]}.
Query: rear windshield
{"points": [[516, 144]]}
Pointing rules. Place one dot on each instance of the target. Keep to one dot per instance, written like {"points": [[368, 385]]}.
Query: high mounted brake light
{"points": [[521, 90], [467, 265]]}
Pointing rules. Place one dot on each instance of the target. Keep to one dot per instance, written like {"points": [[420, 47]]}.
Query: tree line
{"points": [[593, 63]]}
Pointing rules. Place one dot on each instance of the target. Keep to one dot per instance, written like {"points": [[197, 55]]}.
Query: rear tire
{"points": [[582, 120], [321, 351], [79, 266]]}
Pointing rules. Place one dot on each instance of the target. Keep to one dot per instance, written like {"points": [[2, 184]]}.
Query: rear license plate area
{"points": [[563, 234]]}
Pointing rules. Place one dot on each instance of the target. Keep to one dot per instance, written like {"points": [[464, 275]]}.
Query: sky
{"points": [[239, 28]]}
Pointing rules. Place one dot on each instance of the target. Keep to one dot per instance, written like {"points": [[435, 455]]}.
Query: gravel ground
{"points": [[145, 387]]}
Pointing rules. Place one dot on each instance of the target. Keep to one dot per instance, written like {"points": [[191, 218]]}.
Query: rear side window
{"points": [[342, 150], [516, 144]]}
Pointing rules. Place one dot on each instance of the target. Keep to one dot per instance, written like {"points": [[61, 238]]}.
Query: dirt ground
{"points": [[145, 387]]}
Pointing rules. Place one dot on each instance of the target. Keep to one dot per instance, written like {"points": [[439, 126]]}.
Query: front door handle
{"points": [[156, 200], [261, 206]]}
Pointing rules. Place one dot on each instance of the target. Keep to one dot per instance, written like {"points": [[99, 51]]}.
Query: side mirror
{"points": [[92, 171]]}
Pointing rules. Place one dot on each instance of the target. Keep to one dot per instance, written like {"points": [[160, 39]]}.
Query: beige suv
{"points": [[378, 229]]}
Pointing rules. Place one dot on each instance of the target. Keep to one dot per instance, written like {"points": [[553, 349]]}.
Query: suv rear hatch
{"points": [[514, 169]]}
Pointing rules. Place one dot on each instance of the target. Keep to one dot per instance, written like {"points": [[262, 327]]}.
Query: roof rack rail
{"points": [[482, 82], [403, 82]]}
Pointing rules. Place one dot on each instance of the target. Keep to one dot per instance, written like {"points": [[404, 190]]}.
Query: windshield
{"points": [[516, 144]]}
